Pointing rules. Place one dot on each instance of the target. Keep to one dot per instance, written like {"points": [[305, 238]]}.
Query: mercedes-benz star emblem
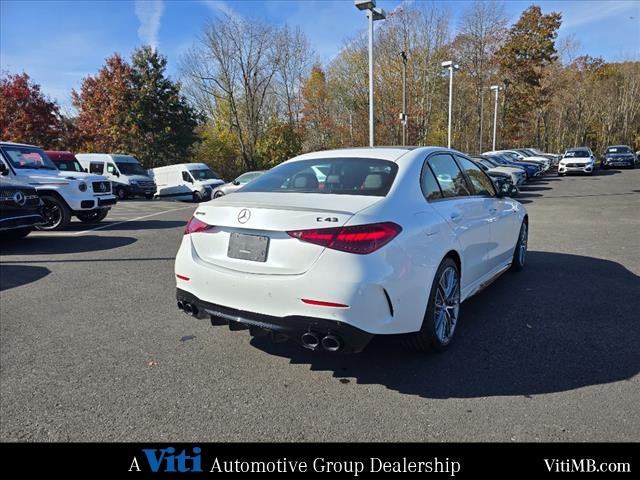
{"points": [[19, 198], [103, 187], [244, 215]]}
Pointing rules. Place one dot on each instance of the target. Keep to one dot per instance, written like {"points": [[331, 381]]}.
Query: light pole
{"points": [[373, 14], [451, 66], [497, 88], [403, 115]]}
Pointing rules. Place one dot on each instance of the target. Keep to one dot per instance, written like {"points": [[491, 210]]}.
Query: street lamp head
{"points": [[378, 14], [447, 64], [496, 87], [365, 4]]}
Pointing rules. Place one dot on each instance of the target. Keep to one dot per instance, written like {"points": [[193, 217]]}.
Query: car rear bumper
{"points": [[366, 294], [293, 327]]}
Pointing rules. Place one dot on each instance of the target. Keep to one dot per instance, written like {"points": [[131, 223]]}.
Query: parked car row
{"points": [[64, 193]]}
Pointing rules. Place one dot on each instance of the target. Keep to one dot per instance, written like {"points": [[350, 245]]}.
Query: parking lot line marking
{"points": [[102, 227]]}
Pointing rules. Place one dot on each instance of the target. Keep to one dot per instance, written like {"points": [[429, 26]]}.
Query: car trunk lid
{"points": [[254, 226]]}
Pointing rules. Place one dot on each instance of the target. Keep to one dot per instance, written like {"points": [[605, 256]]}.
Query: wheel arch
{"points": [[53, 193]]}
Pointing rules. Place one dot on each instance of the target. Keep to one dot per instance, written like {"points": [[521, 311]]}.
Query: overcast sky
{"points": [[59, 42]]}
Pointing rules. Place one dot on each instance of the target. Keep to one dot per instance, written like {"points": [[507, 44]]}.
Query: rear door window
{"points": [[449, 176], [480, 183], [429, 185]]}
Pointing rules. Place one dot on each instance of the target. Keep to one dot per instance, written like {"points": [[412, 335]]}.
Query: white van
{"points": [[125, 172], [186, 181], [64, 194]]}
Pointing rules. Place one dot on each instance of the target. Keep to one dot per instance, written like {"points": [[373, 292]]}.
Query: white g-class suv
{"points": [[88, 197]]}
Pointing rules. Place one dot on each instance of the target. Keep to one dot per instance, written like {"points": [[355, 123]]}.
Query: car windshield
{"points": [[512, 156], [502, 160], [247, 177], [204, 174], [576, 154], [487, 163], [69, 165], [27, 157], [619, 150], [344, 176], [130, 168]]}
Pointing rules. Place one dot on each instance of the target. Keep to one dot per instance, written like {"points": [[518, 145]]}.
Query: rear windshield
{"points": [[343, 176]]}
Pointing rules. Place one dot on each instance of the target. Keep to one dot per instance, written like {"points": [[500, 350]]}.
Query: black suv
{"points": [[20, 209], [618, 156]]}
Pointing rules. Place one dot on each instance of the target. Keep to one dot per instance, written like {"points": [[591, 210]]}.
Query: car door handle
{"points": [[456, 216]]}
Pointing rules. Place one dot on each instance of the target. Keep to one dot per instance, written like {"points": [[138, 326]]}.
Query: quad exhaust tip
{"points": [[310, 340], [331, 343], [188, 308]]}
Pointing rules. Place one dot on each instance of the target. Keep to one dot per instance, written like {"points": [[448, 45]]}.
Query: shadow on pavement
{"points": [[127, 225], [12, 276], [533, 188], [50, 245], [565, 322]]}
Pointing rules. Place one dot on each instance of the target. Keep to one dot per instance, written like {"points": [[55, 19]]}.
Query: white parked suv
{"points": [[64, 194], [390, 242], [577, 160]]}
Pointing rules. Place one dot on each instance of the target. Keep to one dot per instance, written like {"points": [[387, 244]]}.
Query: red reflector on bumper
{"points": [[320, 303], [182, 277]]}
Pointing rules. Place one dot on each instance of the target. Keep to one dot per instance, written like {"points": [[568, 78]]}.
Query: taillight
{"points": [[194, 226], [359, 239]]}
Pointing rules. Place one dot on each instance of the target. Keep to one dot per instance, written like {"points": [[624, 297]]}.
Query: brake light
{"points": [[194, 226], [359, 239]]}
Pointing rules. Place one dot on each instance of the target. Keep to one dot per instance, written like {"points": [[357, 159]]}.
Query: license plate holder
{"points": [[254, 248]]}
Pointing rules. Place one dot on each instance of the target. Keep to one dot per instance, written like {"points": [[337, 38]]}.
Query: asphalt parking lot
{"points": [[93, 347]]}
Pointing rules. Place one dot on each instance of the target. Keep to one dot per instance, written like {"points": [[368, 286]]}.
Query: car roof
{"points": [[578, 149], [391, 153], [18, 144]]}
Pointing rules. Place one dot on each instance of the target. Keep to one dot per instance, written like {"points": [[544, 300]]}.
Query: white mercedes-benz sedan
{"points": [[387, 241]]}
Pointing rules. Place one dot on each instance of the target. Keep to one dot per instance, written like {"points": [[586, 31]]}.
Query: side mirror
{"points": [[236, 182], [3, 169], [117, 174], [86, 170]]}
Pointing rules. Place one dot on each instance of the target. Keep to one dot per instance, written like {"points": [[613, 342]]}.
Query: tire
{"points": [[520, 250], [16, 234], [93, 216], [432, 335], [56, 213], [218, 194], [120, 193], [148, 196], [197, 197]]}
